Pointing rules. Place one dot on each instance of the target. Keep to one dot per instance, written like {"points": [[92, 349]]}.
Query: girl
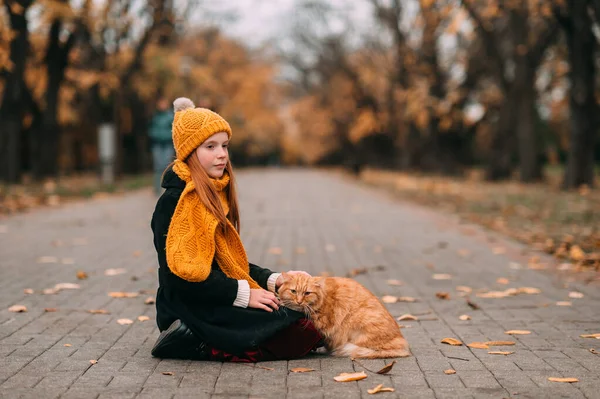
{"points": [[211, 303]]}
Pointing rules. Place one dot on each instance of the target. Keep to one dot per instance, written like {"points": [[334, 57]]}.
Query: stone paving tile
{"points": [[322, 222]]}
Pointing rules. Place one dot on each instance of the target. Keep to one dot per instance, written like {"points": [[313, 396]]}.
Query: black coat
{"points": [[207, 306]]}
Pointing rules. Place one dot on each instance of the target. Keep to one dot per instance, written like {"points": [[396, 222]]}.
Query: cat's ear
{"points": [[319, 281], [285, 277]]}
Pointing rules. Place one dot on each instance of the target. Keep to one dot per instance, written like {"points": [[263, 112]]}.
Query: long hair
{"points": [[209, 195]]}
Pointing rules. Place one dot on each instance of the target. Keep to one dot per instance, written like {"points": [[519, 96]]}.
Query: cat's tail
{"points": [[397, 348]]}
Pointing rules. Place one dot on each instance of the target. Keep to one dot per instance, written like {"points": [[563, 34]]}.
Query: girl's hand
{"points": [[263, 299], [279, 280]]}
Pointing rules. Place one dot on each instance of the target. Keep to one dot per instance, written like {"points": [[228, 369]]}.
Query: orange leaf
{"points": [[441, 276], [450, 371], [124, 322], [123, 294], [500, 353], [301, 370], [464, 317], [17, 309], [451, 341], [407, 317], [394, 282], [499, 343], [387, 368], [597, 335], [81, 275], [478, 345], [150, 300], [442, 295], [143, 318], [379, 388], [93, 361], [389, 299], [98, 311], [561, 379], [347, 377], [517, 332]]}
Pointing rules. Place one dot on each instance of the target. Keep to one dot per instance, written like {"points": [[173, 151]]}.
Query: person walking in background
{"points": [[161, 141]]}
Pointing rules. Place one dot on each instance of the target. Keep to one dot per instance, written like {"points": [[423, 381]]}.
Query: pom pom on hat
{"points": [[182, 103]]}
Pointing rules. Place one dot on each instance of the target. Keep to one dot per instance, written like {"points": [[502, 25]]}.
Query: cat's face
{"points": [[301, 293]]}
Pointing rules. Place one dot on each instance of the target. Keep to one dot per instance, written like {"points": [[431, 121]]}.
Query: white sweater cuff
{"points": [[243, 295], [272, 280]]}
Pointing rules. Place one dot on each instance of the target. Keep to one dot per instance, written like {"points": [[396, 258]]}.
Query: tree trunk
{"points": [[500, 156], [13, 98], [530, 167], [584, 118]]}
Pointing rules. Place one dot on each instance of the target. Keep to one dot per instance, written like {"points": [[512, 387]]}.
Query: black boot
{"points": [[178, 342]]}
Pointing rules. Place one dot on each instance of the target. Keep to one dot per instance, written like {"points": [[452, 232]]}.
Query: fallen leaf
{"points": [[576, 253], [597, 335], [301, 370], [387, 368], [464, 288], [124, 322], [562, 379], [167, 373], [502, 280], [67, 345], [143, 318], [517, 332], [407, 317], [50, 310], [492, 294], [67, 286], [406, 299], [564, 303], [49, 291], [81, 275], [575, 294], [380, 388], [17, 309], [67, 261], [441, 276], [394, 282], [137, 253], [594, 351], [123, 294], [478, 345], [499, 250], [499, 343], [114, 272], [472, 304], [357, 271], [528, 290], [47, 259], [28, 291], [450, 371], [442, 295], [389, 299], [93, 361], [500, 353], [98, 311], [451, 341], [347, 377], [150, 300], [464, 317]]}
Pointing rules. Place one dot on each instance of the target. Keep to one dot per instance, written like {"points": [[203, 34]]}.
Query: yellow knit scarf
{"points": [[193, 240]]}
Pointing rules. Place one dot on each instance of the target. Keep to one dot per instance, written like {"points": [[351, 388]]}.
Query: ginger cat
{"points": [[353, 320]]}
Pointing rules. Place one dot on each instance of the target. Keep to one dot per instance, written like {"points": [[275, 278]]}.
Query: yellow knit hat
{"points": [[192, 126]]}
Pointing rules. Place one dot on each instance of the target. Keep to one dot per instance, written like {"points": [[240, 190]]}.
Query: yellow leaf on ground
{"points": [[114, 272], [347, 377], [478, 345], [450, 371], [98, 311], [143, 318], [500, 353], [81, 275], [394, 282], [406, 299], [150, 300], [407, 317], [576, 253], [442, 295], [517, 332], [124, 322], [93, 361], [464, 317], [464, 288], [502, 280], [562, 379], [17, 309], [564, 303], [67, 345], [301, 370], [441, 276], [499, 343], [597, 335], [123, 294], [67, 286], [28, 291], [387, 368], [379, 388], [389, 299], [451, 341], [575, 294]]}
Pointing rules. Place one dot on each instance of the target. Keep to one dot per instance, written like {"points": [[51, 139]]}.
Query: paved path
{"points": [[291, 220]]}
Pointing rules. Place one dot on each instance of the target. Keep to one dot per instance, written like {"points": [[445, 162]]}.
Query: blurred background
{"points": [[505, 88]]}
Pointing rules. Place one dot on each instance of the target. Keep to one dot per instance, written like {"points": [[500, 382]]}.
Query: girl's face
{"points": [[213, 154]]}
